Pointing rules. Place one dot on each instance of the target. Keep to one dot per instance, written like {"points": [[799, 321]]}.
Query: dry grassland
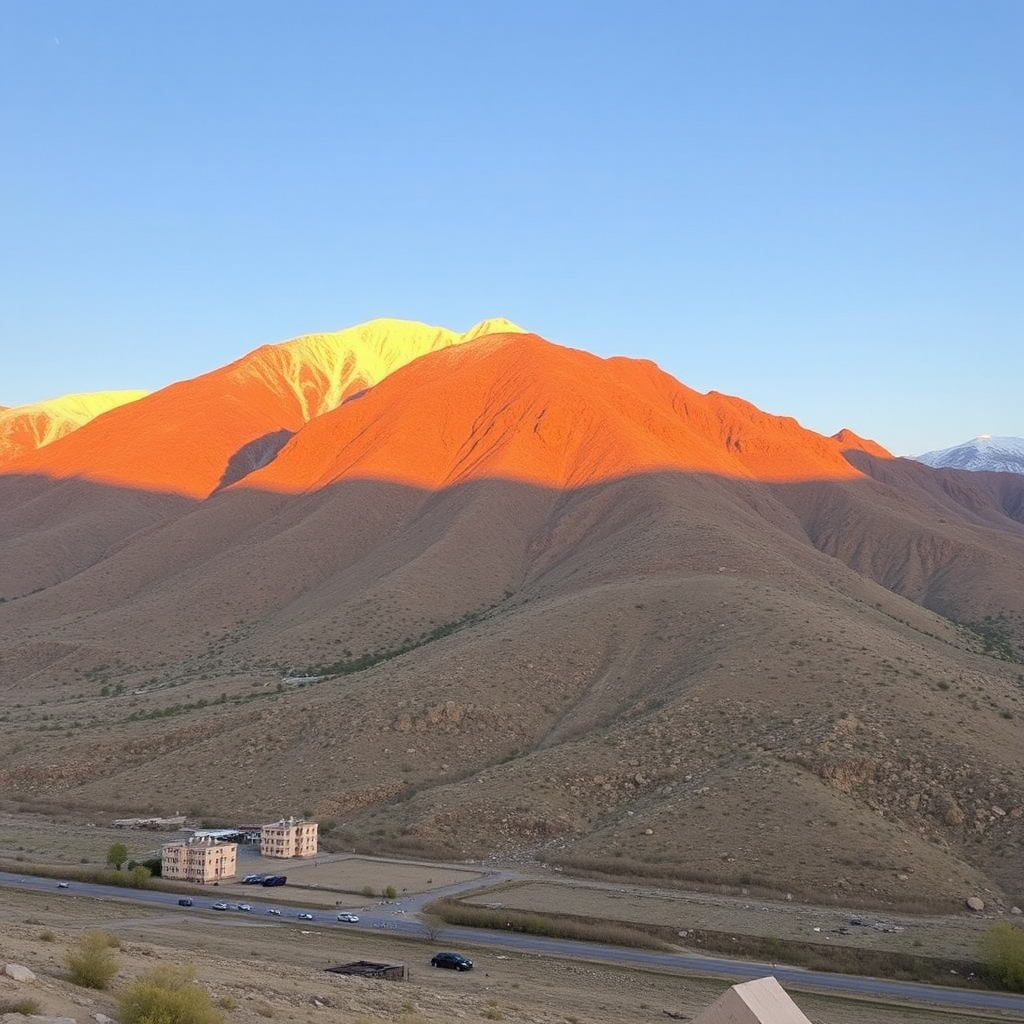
{"points": [[950, 937]]}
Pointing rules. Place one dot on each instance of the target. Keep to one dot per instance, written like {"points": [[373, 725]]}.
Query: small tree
{"points": [[117, 855], [167, 994], [1003, 951], [92, 962], [432, 925]]}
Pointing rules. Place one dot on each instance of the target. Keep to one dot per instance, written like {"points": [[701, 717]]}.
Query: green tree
{"points": [[1002, 949], [92, 962], [117, 855], [168, 994]]}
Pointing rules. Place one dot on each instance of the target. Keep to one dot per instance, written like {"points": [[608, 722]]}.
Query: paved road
{"points": [[398, 916]]}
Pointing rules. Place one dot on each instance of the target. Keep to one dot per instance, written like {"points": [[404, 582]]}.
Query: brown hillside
{"points": [[517, 599]]}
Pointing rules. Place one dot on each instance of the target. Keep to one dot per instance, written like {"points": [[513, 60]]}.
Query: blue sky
{"points": [[815, 204]]}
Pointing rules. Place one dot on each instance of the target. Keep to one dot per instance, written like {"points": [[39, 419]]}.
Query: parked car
{"points": [[220, 905], [454, 961], [274, 911], [305, 917], [63, 885], [348, 918], [253, 879], [274, 880], [185, 902]]}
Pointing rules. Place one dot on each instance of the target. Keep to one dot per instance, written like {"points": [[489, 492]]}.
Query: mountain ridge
{"points": [[28, 427], [553, 605], [243, 411], [983, 453]]}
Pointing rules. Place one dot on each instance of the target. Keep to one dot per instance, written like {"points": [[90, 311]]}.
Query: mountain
{"points": [[504, 597], [984, 452], [28, 427], [188, 440]]}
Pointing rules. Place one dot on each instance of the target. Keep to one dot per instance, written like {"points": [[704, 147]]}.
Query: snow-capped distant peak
{"points": [[984, 452]]}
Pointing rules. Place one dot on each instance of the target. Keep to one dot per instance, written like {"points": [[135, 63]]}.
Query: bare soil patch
{"points": [[332, 874]]}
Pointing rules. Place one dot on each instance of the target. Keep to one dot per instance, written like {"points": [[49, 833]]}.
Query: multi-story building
{"points": [[289, 838], [200, 860]]}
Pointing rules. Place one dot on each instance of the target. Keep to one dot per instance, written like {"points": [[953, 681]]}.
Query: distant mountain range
{"points": [[984, 452], [479, 594]]}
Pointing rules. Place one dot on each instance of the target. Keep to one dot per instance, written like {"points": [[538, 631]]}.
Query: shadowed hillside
{"points": [[515, 598]]}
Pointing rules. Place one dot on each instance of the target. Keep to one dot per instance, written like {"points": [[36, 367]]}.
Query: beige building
{"points": [[201, 860], [289, 838]]}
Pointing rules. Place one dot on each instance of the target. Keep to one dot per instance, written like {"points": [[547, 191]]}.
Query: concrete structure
{"points": [[370, 969], [763, 1001], [289, 838], [199, 860]]}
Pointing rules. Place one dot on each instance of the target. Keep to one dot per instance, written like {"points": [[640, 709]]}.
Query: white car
{"points": [[220, 905], [242, 906], [63, 885], [349, 918], [274, 911], [305, 917]]}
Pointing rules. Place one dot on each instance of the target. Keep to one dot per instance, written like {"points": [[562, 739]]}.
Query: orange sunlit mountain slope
{"points": [[28, 427], [197, 435], [519, 408]]}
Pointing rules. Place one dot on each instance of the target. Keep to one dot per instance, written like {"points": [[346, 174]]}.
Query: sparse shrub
{"points": [[24, 1005], [47, 936], [367, 891], [140, 875], [389, 892], [92, 962], [227, 1002], [168, 994], [264, 1009], [1003, 951]]}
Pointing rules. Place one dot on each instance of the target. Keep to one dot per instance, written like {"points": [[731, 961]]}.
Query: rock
{"points": [[1016, 910], [975, 903], [19, 973], [101, 1018], [648, 831]]}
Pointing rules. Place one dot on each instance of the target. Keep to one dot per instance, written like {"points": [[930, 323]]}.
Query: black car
{"points": [[186, 902], [455, 961]]}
